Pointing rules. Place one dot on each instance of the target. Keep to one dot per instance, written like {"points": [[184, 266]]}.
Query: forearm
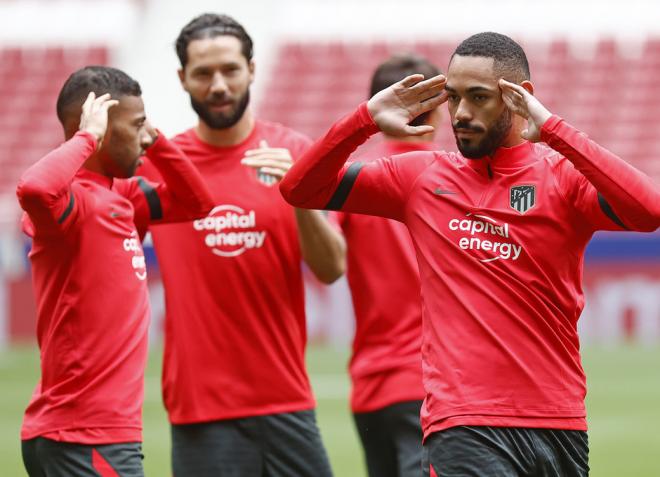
{"points": [[183, 181], [47, 182], [633, 196], [323, 247], [314, 178]]}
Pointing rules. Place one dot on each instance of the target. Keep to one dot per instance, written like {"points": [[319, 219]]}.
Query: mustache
{"points": [[218, 99], [467, 126]]}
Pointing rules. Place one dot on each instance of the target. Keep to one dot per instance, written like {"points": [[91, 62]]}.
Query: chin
{"points": [[467, 151]]}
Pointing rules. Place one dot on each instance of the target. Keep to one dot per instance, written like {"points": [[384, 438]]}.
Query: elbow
{"points": [[291, 192], [199, 205], [332, 273], [30, 191], [650, 226], [287, 191], [299, 197], [334, 267], [649, 220]]}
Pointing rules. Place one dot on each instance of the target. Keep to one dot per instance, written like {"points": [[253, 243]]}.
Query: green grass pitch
{"points": [[623, 405]]}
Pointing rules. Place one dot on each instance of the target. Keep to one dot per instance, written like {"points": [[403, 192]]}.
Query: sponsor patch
{"points": [[522, 198]]}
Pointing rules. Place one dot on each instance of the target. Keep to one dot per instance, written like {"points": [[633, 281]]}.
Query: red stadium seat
{"points": [[599, 87], [31, 79]]}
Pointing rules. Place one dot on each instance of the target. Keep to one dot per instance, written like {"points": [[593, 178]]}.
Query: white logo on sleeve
{"points": [[230, 230], [486, 234], [133, 245]]}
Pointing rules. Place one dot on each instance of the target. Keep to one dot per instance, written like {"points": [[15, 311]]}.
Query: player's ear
{"points": [[528, 86], [251, 68], [182, 78]]}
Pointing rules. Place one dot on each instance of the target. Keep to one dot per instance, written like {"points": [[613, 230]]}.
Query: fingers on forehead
{"points": [[437, 83], [412, 80]]}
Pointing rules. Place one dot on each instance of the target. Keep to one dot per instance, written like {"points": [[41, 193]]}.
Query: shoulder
{"points": [[420, 160], [282, 136], [550, 158], [410, 165], [128, 187], [183, 139]]}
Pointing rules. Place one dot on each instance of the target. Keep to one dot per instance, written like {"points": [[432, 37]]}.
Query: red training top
{"points": [[89, 275], [235, 330], [500, 244], [386, 366]]}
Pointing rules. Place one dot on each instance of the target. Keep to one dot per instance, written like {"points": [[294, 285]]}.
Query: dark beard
{"points": [[491, 141], [221, 121]]}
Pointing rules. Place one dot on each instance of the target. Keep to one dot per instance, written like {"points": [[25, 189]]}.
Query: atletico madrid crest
{"points": [[522, 198]]}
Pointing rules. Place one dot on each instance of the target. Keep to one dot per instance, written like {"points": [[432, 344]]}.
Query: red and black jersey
{"points": [[89, 275], [500, 244]]}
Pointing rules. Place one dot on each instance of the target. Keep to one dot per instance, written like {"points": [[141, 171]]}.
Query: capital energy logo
{"points": [[132, 245], [487, 235], [230, 230]]}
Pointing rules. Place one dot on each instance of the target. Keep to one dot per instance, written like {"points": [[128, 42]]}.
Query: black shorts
{"points": [[506, 451], [47, 458], [392, 440], [287, 444]]}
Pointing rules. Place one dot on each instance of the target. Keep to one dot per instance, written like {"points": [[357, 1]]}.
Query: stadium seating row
{"points": [[607, 89]]}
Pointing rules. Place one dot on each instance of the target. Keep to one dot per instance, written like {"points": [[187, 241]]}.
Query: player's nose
{"points": [[463, 112], [218, 85]]}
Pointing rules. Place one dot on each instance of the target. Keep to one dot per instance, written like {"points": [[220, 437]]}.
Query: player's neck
{"points": [[514, 138], [93, 164], [412, 139], [231, 136]]}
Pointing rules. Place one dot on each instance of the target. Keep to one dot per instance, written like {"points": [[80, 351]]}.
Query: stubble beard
{"points": [[493, 139], [220, 120]]}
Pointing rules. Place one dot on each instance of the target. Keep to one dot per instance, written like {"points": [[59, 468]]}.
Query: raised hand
{"points": [[394, 107], [152, 131], [523, 103], [94, 117], [271, 163]]}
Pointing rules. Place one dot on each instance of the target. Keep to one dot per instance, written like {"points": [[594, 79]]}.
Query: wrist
{"points": [[95, 134], [91, 137], [367, 119]]}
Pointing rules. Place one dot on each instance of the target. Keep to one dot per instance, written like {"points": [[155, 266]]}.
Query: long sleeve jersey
{"points": [[500, 244], [89, 278]]}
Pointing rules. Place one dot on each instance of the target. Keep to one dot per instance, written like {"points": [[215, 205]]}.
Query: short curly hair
{"points": [[210, 25], [100, 80], [510, 61]]}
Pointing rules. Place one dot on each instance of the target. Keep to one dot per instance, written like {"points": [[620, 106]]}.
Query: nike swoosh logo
{"points": [[443, 192]]}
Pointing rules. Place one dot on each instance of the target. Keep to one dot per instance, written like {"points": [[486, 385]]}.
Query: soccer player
{"points": [[500, 231], [234, 379], [386, 366], [88, 269]]}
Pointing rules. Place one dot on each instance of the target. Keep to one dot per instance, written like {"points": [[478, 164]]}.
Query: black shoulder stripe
{"points": [[607, 209], [337, 200], [68, 210], [155, 208]]}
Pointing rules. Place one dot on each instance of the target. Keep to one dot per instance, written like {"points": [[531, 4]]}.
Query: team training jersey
{"points": [[235, 330], [89, 276], [500, 244], [386, 365]]}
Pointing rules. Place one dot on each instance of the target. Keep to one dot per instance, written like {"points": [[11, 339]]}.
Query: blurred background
{"points": [[595, 63]]}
